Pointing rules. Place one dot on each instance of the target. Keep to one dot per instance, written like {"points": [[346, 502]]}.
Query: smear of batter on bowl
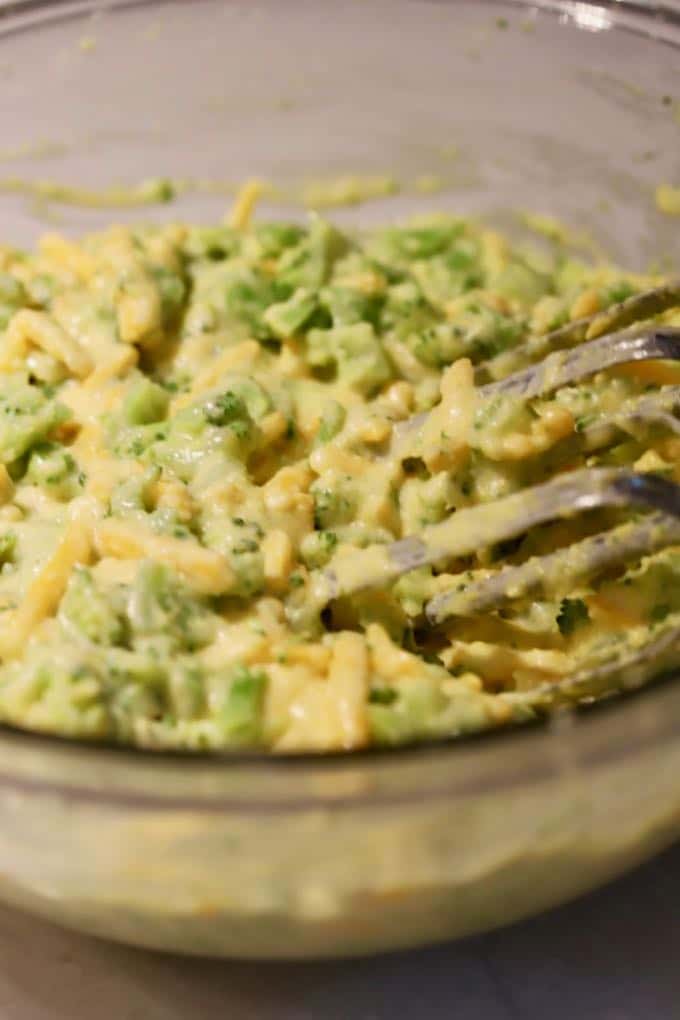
{"points": [[327, 192], [149, 192], [667, 199]]}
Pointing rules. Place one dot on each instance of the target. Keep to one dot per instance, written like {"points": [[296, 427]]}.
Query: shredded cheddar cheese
{"points": [[198, 425]]}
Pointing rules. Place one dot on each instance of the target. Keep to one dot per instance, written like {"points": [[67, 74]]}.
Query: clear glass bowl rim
{"points": [[657, 19], [605, 734]]}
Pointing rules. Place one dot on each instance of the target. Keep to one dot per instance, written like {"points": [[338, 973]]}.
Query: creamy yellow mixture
{"points": [[194, 421]]}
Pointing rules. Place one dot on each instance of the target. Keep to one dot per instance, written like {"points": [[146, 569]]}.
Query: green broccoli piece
{"points": [[504, 412], [12, 291], [242, 403], [348, 306], [659, 612], [447, 276], [53, 468], [437, 345], [332, 421], [145, 403], [382, 696], [248, 294], [426, 710], [572, 615], [406, 311], [27, 417], [272, 239], [240, 541], [132, 497], [407, 244], [288, 317], [333, 506], [356, 352], [518, 280], [233, 411], [12, 297], [86, 610], [617, 292], [317, 548], [214, 243], [173, 292], [160, 605], [157, 189], [309, 263], [134, 441], [8, 544], [485, 332], [241, 715], [409, 716], [225, 408]]}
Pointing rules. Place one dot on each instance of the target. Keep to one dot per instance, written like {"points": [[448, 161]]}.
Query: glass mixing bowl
{"points": [[561, 107]]}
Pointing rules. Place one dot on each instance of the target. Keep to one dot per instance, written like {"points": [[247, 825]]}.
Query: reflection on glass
{"points": [[588, 16]]}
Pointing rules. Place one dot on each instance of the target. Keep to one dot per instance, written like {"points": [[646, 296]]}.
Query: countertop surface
{"points": [[612, 955]]}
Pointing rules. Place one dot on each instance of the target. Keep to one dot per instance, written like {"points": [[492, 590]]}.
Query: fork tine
{"points": [[634, 667], [634, 418], [634, 309], [564, 367], [555, 571], [482, 526]]}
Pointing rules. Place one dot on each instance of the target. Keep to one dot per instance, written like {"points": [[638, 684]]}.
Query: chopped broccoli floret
{"points": [[241, 717], [145, 403], [332, 421], [8, 542], [53, 468], [572, 615], [318, 547], [27, 417], [225, 408], [288, 317], [356, 352], [159, 605], [87, 610], [309, 263]]}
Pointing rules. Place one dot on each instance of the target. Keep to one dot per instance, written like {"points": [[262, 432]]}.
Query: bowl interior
{"points": [[569, 109], [478, 107]]}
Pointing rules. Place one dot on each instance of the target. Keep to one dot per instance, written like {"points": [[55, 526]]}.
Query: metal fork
{"points": [[474, 528], [558, 572], [631, 668], [638, 308], [470, 529], [562, 368], [495, 376]]}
